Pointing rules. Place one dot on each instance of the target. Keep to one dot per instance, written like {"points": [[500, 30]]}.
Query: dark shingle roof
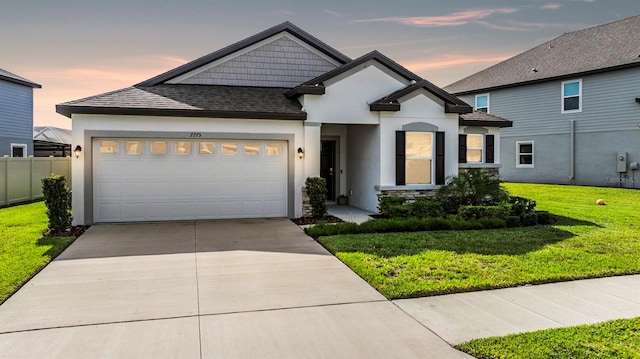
{"points": [[190, 101], [602, 48], [285, 26], [479, 118], [8, 76], [390, 102]]}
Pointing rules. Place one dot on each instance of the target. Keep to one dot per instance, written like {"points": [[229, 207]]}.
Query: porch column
{"points": [[311, 149]]}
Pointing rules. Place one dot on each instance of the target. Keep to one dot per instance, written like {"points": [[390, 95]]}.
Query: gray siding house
{"points": [[575, 106], [16, 115]]}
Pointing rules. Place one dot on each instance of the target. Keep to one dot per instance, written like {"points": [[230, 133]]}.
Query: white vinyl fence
{"points": [[20, 177]]}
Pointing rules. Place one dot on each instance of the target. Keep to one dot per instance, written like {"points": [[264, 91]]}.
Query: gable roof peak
{"points": [[216, 55]]}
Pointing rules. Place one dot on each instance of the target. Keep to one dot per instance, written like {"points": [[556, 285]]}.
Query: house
{"points": [[575, 107], [16, 115], [235, 134], [51, 141]]}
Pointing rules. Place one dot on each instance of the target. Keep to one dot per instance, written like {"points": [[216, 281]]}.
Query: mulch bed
{"points": [[309, 220], [74, 231]]}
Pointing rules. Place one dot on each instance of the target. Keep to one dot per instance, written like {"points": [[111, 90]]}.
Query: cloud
{"points": [[453, 19], [551, 6], [331, 12], [451, 60]]}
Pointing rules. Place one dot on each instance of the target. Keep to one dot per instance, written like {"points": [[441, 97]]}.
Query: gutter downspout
{"points": [[572, 177]]}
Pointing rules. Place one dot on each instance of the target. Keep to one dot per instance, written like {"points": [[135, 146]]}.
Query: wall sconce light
{"points": [[300, 152], [77, 151]]}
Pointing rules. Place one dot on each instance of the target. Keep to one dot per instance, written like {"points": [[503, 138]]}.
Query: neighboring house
{"points": [[51, 141], [16, 115], [234, 134], [574, 106]]}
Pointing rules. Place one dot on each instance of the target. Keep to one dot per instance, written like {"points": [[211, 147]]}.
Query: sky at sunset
{"points": [[80, 48]]}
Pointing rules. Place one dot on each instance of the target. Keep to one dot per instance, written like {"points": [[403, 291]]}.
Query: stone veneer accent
{"points": [[306, 204]]}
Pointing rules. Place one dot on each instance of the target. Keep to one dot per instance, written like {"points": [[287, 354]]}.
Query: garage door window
{"points": [[183, 148], [251, 149], [229, 149], [159, 148], [108, 147], [207, 148], [272, 149], [134, 148]]}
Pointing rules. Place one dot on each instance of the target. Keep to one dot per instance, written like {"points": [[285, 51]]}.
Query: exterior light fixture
{"points": [[300, 152], [77, 151]]}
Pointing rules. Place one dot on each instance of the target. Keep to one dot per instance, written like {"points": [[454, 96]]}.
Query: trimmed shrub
{"points": [[390, 206], [427, 207], [57, 199], [529, 219], [473, 187], [501, 211], [544, 217], [521, 205], [513, 221], [317, 191], [403, 225]]}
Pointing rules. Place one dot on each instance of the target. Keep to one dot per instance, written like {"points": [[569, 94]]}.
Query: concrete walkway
{"points": [[461, 317], [223, 289], [350, 214]]}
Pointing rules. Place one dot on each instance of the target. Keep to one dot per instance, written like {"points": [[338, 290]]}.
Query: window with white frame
{"points": [[571, 96], [419, 157], [18, 150], [524, 154], [482, 102], [475, 145]]}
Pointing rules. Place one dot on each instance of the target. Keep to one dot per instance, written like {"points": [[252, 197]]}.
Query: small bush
{"points": [[529, 219], [473, 187], [387, 205], [513, 221], [501, 211], [521, 205], [427, 207], [317, 191], [544, 217], [56, 198]]}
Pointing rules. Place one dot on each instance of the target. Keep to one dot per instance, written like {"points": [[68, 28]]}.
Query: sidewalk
{"points": [[350, 214], [458, 318]]}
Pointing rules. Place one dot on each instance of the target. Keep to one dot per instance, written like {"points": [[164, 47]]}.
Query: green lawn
{"points": [[23, 250], [587, 241], [608, 340]]}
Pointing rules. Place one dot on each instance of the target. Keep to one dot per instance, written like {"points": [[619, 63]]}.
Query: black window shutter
{"points": [[439, 158], [400, 158], [489, 148], [462, 148]]}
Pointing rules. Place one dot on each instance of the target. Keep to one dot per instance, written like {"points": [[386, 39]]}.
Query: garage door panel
{"points": [[148, 187]]}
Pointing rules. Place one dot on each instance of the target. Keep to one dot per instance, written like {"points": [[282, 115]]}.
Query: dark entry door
{"points": [[328, 167]]}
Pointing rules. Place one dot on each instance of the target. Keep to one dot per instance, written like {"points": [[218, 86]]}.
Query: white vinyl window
{"points": [[571, 96], [419, 157], [475, 145], [207, 148], [229, 149], [524, 154], [251, 149], [18, 150], [134, 147], [482, 102], [183, 148], [109, 147], [159, 148], [272, 149]]}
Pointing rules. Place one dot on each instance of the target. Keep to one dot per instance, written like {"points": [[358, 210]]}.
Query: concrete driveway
{"points": [[224, 289]]}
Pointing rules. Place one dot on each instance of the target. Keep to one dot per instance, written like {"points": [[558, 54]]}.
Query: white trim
{"points": [[20, 145], [247, 49], [518, 143], [562, 110], [475, 107]]}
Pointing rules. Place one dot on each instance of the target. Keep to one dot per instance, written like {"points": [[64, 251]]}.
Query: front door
{"points": [[328, 167]]}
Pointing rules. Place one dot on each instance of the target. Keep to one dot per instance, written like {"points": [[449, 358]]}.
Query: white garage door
{"points": [[168, 179]]}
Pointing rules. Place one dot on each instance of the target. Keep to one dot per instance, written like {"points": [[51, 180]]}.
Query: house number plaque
{"points": [[195, 135]]}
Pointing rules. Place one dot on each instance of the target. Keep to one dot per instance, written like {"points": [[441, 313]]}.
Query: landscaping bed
{"points": [[586, 241], [608, 340]]}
